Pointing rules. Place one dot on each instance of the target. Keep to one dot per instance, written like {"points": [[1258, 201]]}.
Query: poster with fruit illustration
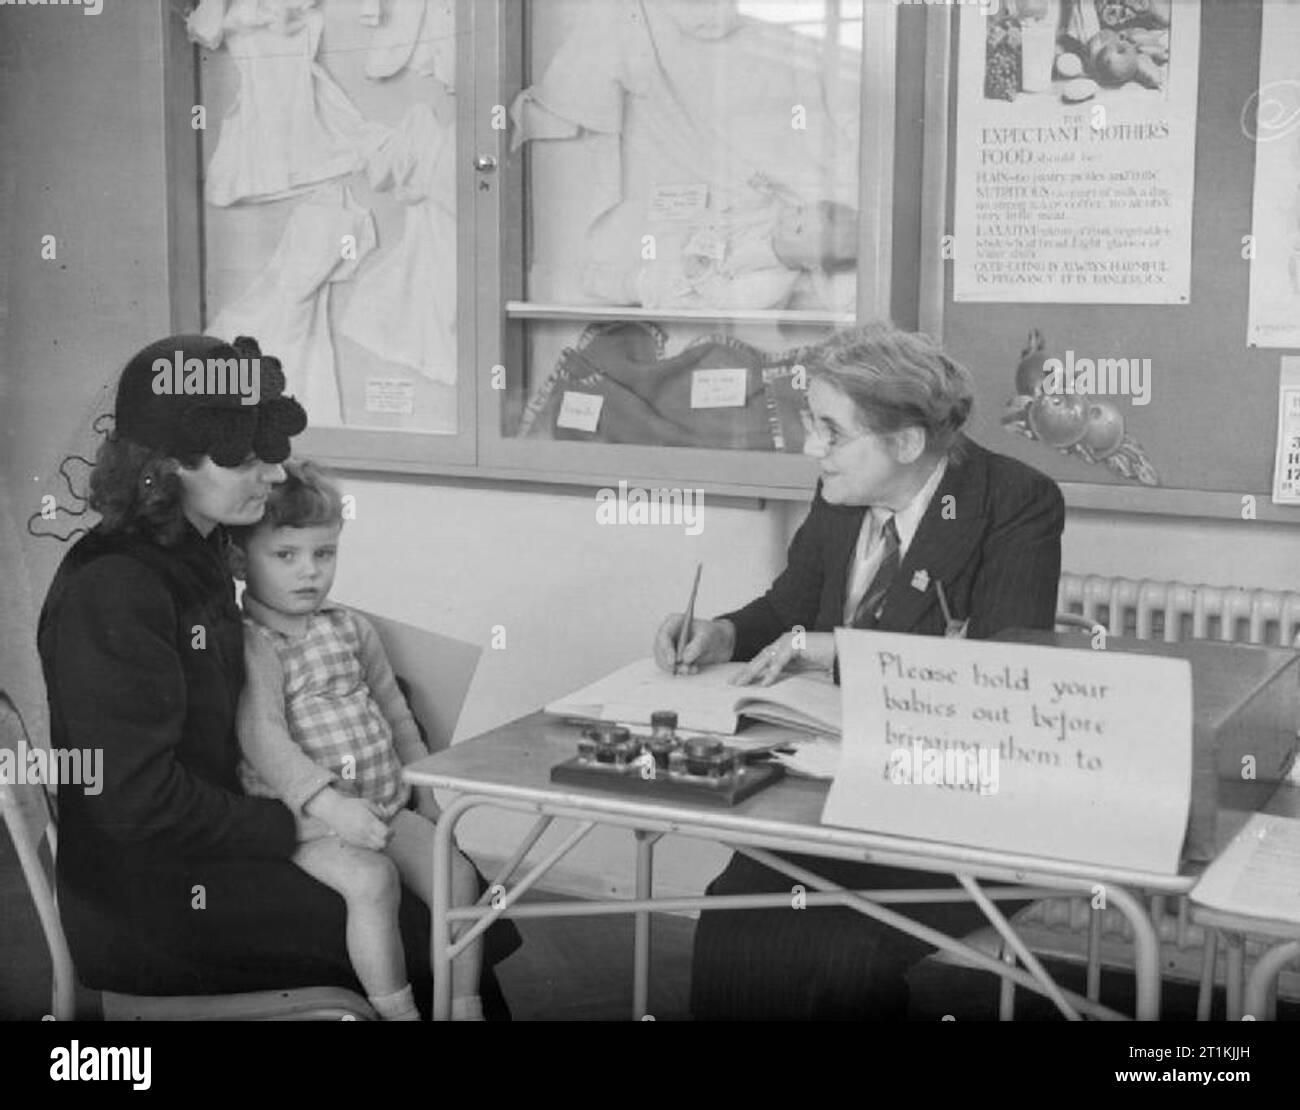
{"points": [[1066, 411], [1272, 119], [1075, 151]]}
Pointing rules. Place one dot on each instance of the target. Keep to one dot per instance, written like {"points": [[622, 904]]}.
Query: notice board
{"points": [[1209, 427]]}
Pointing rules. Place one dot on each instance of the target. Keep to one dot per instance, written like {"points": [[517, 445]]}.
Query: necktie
{"points": [[868, 611]]}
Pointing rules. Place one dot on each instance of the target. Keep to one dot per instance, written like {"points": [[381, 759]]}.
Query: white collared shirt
{"points": [[870, 550]]}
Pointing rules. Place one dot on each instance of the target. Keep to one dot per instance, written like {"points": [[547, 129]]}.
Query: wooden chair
{"points": [[29, 815], [438, 671]]}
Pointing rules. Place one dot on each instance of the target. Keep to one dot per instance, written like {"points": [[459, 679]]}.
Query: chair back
{"points": [[438, 669], [28, 815], [1067, 621]]}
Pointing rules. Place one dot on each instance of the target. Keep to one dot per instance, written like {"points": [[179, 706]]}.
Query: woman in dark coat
{"points": [[171, 880], [905, 502]]}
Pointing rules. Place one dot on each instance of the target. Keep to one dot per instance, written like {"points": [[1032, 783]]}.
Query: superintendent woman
{"points": [[905, 502], [172, 881]]}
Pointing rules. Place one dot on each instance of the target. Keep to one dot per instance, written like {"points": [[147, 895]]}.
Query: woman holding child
{"points": [[174, 879]]}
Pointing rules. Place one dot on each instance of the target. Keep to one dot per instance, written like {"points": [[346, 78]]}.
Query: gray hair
{"points": [[898, 379]]}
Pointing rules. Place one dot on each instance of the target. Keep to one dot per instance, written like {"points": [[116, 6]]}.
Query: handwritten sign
{"points": [[395, 395], [580, 411], [719, 387], [1076, 755], [678, 202]]}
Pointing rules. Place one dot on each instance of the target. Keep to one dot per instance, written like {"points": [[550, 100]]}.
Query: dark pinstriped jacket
{"points": [[997, 552]]}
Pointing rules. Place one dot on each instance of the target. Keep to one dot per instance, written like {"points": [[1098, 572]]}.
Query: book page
{"points": [[808, 701], [702, 701], [1258, 874]]}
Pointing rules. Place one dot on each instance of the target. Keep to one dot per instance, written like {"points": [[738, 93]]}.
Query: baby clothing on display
{"points": [[403, 304], [728, 262], [415, 34], [287, 306], [705, 19], [291, 127], [663, 93], [648, 398]]}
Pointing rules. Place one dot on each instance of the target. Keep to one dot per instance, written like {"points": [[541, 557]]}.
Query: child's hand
{"points": [[358, 822], [426, 805]]}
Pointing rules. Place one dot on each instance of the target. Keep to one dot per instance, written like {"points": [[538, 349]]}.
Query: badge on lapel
{"points": [[921, 580]]}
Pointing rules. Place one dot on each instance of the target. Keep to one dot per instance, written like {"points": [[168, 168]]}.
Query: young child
{"points": [[323, 726]]}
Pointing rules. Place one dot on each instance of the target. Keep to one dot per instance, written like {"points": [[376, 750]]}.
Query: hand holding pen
{"points": [[684, 644], [688, 619]]}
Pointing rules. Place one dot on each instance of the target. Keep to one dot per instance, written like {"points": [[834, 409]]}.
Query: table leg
{"points": [[1264, 975], [1235, 947], [645, 846], [1093, 987], [1146, 953], [440, 927], [1205, 994], [1007, 991]]}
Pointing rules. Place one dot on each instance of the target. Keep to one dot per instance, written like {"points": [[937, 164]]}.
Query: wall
{"points": [[81, 144]]}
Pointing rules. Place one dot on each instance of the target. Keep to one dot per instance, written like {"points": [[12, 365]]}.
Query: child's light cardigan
{"points": [[321, 707]]}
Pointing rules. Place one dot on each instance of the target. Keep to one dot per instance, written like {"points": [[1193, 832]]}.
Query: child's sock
{"points": [[398, 1006], [469, 1008]]}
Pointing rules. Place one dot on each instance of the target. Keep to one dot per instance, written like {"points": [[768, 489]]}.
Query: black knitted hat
{"points": [[150, 412]]}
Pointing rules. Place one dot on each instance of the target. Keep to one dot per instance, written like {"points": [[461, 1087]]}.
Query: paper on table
{"points": [[817, 757], [1258, 874], [705, 701], [633, 692]]}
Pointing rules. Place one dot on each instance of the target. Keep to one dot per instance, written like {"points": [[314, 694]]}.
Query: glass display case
{"points": [[331, 215], [683, 211], [559, 239]]}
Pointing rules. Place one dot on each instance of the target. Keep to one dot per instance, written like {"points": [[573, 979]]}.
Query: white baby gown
{"points": [[727, 262], [403, 304], [415, 34], [290, 127], [287, 307]]}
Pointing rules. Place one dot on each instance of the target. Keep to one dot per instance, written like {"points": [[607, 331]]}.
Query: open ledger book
{"points": [[706, 702]]}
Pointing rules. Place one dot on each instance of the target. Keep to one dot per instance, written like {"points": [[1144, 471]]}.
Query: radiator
{"points": [[1177, 611]]}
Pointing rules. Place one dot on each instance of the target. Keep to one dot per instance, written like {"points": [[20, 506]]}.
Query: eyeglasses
{"points": [[832, 437]]}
